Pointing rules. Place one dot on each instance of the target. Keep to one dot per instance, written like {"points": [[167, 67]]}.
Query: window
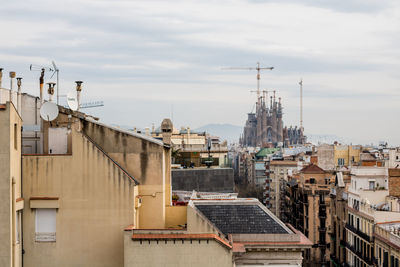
{"points": [[312, 180], [15, 136], [17, 226], [45, 225], [371, 185], [340, 161]]}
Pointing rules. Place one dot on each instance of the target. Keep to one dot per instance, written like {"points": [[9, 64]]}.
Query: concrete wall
{"points": [[96, 202], [147, 160], [197, 224], [10, 184], [203, 180], [270, 257], [325, 155], [176, 253], [175, 216]]}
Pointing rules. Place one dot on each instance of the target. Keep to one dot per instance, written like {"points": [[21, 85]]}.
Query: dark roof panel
{"points": [[241, 219]]}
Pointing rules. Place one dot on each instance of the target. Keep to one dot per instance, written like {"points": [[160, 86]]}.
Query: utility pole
{"points": [[301, 103]]}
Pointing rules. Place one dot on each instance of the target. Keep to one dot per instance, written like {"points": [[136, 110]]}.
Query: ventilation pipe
{"points": [[51, 90], [41, 80], [78, 92], [12, 77], [19, 98], [1, 75]]}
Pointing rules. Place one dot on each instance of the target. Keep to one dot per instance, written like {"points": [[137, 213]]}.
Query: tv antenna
{"points": [[56, 70], [52, 69], [258, 69], [92, 104]]}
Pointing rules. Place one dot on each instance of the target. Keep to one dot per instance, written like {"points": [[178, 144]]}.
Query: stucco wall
{"points": [[175, 216], [195, 253], [10, 184], [96, 202], [197, 224], [147, 161], [5, 189]]}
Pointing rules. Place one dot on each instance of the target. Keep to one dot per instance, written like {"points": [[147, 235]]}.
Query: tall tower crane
{"points": [[301, 103], [265, 94], [258, 69]]}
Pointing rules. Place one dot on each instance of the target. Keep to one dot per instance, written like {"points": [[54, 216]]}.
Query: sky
{"points": [[148, 60]]}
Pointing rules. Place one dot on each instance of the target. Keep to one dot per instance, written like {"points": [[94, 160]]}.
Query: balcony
{"points": [[359, 254], [358, 232]]}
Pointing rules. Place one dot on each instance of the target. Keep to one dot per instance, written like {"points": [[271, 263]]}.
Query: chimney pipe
{"points": [[78, 92], [41, 80], [51, 90], [1, 76], [12, 76], [19, 98]]}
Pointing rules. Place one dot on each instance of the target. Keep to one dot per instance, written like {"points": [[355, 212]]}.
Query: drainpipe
{"points": [[12, 76], [41, 80], [19, 99], [78, 92]]}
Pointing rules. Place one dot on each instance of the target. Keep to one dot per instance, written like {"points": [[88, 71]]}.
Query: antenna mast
{"points": [[301, 103]]}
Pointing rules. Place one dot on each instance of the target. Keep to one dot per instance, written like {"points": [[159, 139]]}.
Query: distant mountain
{"points": [[228, 132]]}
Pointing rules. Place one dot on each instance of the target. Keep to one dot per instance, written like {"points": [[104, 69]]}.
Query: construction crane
{"points": [[265, 93], [301, 103], [257, 68]]}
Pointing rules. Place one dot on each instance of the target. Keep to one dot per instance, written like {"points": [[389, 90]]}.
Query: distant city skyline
{"points": [[148, 60]]}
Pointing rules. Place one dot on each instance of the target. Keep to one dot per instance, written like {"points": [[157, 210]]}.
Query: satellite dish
{"points": [[49, 111], [72, 101]]}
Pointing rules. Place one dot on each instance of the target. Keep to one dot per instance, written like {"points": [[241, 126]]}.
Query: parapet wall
{"points": [[203, 180]]}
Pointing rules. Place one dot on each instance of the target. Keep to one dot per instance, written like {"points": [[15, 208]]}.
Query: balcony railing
{"points": [[369, 261], [358, 232]]}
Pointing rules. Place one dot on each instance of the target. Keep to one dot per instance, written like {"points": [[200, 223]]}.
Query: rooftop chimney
{"points": [[19, 98], [51, 90], [78, 92], [41, 81], [1, 75], [12, 76]]}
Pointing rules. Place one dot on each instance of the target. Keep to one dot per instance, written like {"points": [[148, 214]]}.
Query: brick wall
{"points": [[394, 182]]}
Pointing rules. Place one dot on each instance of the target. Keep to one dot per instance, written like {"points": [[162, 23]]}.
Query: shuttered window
{"points": [[45, 225]]}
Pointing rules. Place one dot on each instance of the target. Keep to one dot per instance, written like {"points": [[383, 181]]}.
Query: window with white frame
{"points": [[45, 230]]}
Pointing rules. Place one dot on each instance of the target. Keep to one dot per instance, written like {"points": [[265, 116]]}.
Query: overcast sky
{"points": [[148, 60]]}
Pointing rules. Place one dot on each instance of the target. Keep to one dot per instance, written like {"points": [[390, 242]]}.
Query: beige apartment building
{"points": [[83, 182], [225, 232], [314, 212], [338, 206], [279, 170], [387, 244], [11, 203]]}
